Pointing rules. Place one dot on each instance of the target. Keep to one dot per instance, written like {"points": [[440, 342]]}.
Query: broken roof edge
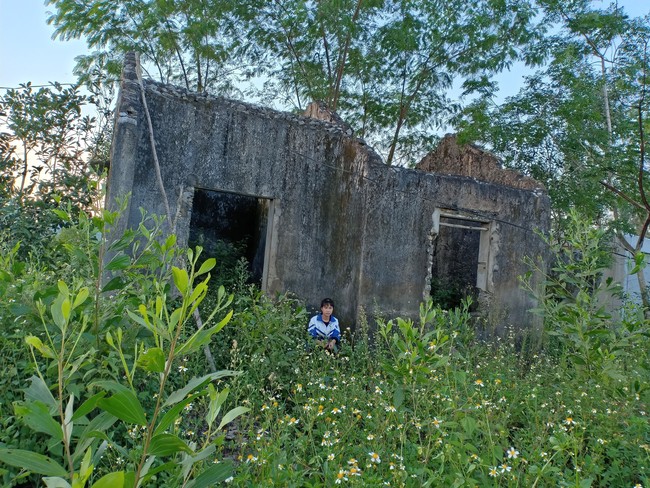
{"points": [[320, 111], [470, 160], [448, 159], [132, 73]]}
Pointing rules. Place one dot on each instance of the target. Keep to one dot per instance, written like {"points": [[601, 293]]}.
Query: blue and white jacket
{"points": [[318, 330]]}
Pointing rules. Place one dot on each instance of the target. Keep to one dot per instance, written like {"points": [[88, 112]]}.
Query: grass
{"points": [[432, 412]]}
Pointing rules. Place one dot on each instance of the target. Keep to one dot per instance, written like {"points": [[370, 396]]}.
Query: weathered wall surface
{"points": [[344, 224], [398, 224], [450, 158]]}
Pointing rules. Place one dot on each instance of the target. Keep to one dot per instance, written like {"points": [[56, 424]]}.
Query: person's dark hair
{"points": [[327, 301]]}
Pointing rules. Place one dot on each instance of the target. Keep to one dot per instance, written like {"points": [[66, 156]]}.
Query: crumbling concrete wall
{"points": [[342, 223], [451, 158]]}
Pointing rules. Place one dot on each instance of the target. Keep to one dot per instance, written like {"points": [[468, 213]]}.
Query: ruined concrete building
{"points": [[318, 212]]}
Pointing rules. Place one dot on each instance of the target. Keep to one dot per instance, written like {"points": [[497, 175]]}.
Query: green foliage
{"points": [[428, 404], [431, 406], [46, 160], [339, 52], [575, 301], [269, 334], [81, 409], [449, 293], [190, 42], [576, 122], [231, 268]]}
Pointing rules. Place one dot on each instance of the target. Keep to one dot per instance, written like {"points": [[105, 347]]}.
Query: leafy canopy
{"points": [[386, 65]]}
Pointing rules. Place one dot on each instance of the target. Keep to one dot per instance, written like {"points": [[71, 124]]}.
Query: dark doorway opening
{"points": [[231, 228], [455, 261]]}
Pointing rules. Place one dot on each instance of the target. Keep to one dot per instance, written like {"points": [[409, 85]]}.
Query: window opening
{"points": [[232, 228], [459, 259]]}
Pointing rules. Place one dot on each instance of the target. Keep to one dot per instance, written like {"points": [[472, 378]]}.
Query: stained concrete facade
{"points": [[336, 220]]}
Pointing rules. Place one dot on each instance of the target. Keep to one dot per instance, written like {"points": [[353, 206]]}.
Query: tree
{"points": [[386, 65], [578, 125], [180, 41], [46, 154]]}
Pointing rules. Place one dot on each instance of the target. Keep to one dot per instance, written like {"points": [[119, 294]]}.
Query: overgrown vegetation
{"points": [[106, 383], [450, 292], [106, 377]]}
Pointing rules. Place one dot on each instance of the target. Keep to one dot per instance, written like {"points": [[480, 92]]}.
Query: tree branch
{"points": [[623, 195], [343, 57]]}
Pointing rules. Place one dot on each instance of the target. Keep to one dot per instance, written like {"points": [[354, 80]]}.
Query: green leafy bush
{"points": [[105, 362], [576, 302]]}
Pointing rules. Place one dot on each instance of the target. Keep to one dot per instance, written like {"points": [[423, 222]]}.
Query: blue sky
{"points": [[28, 53]]}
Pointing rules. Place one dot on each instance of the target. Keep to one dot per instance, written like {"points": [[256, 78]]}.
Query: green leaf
{"points": [[119, 262], [63, 289], [468, 424], [215, 474], [207, 265], [110, 385], [94, 430], [36, 415], [19, 309], [116, 283], [152, 360], [181, 280], [125, 406], [232, 415], [38, 391], [586, 483], [398, 396], [68, 424], [497, 454], [598, 332], [81, 297], [202, 337], [216, 400], [167, 444], [195, 384], [61, 214], [32, 461], [88, 405], [57, 311], [110, 480], [171, 415], [639, 263], [122, 243], [199, 456], [55, 482], [169, 243], [145, 232], [170, 466], [37, 344], [129, 479], [140, 319], [199, 292], [85, 470], [577, 359]]}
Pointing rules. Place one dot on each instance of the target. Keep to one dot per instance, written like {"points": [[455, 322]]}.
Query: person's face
{"points": [[327, 310]]}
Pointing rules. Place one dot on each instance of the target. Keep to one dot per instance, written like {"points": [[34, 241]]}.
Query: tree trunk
{"points": [[643, 289], [24, 173], [343, 58]]}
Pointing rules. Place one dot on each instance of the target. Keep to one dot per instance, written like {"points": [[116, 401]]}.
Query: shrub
{"points": [[97, 388]]}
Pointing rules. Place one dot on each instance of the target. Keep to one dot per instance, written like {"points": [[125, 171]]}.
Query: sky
{"points": [[28, 52]]}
